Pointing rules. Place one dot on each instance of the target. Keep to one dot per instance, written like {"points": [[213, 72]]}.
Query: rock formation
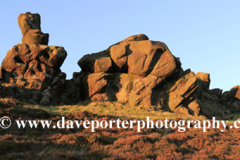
{"points": [[138, 71], [34, 65], [134, 71]]}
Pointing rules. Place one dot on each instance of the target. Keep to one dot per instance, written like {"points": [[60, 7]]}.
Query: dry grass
{"points": [[114, 109], [109, 144], [9, 101]]}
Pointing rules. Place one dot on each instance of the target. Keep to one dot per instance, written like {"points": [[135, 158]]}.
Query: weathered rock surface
{"points": [[94, 86], [182, 91], [120, 87], [29, 21], [35, 36]]}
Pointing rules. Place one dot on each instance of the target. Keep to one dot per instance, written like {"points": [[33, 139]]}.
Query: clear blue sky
{"points": [[204, 34]]}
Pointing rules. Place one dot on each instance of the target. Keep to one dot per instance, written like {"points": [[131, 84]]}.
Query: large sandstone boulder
{"points": [[181, 94], [95, 63], [194, 107], [182, 90], [142, 92], [94, 86], [142, 58]]}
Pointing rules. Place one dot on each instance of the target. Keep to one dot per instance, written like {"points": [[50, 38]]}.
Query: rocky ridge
{"points": [[134, 71]]}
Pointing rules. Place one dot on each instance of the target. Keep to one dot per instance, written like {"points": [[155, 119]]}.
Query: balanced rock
{"points": [[30, 25], [29, 21], [34, 68]]}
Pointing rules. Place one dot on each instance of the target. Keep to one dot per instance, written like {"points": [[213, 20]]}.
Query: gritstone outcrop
{"points": [[135, 71]]}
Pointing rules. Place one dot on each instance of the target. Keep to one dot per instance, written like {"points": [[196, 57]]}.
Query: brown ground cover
{"points": [[108, 143]]}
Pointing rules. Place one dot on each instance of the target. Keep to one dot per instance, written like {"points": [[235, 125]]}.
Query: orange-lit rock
{"points": [[32, 65], [31, 30], [95, 63]]}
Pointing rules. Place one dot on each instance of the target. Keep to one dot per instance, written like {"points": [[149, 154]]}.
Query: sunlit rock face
{"points": [[35, 66]]}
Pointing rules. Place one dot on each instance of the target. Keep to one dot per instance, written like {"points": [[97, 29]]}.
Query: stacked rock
{"points": [[31, 30], [34, 65]]}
